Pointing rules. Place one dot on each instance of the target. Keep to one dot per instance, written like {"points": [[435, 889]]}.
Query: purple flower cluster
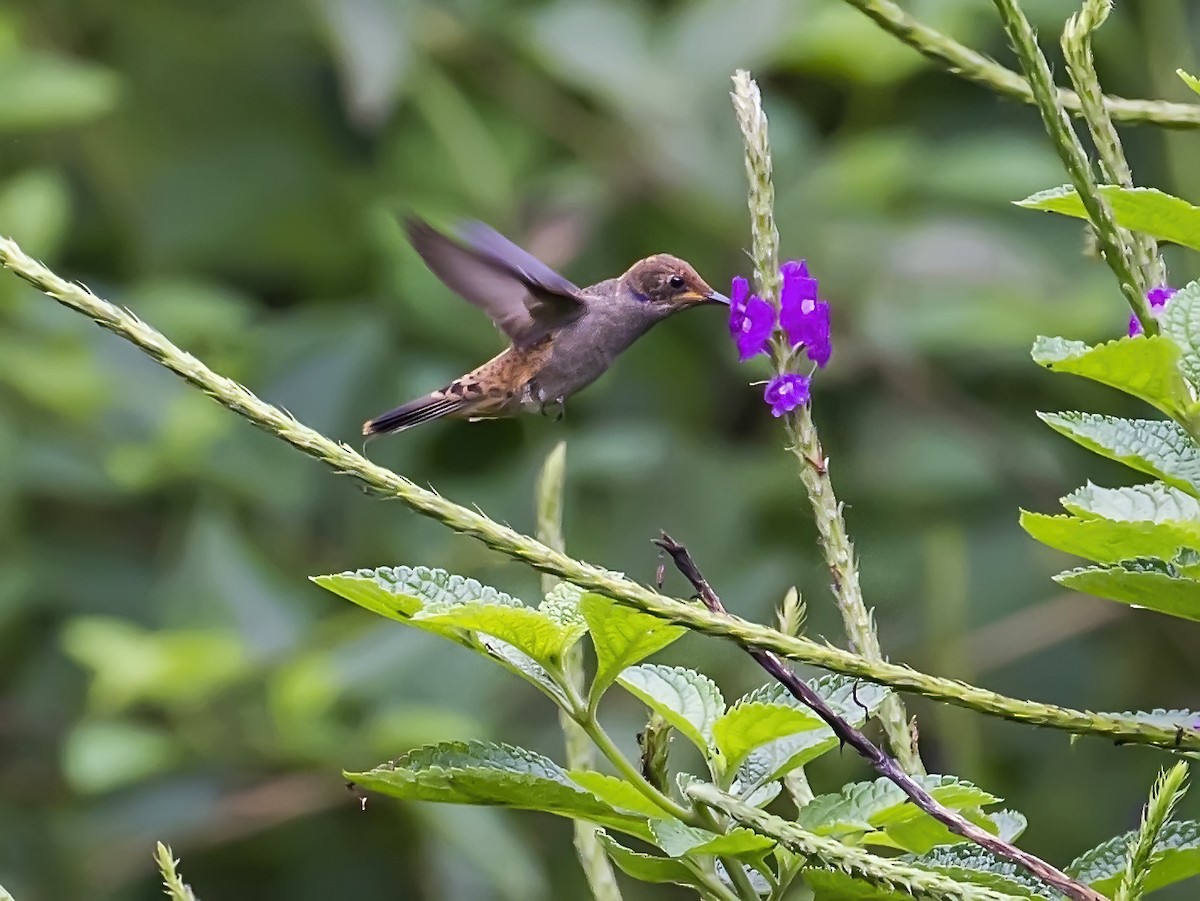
{"points": [[1157, 298], [804, 318]]}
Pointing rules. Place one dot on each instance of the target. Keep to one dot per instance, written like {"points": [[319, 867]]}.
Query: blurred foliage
{"points": [[232, 172]]}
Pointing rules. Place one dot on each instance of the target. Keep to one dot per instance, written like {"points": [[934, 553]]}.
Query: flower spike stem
{"points": [[882, 763], [1114, 247], [973, 66], [1081, 67], [344, 460], [831, 526]]}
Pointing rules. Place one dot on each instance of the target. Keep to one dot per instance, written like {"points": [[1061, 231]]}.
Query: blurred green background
{"points": [[231, 171]]}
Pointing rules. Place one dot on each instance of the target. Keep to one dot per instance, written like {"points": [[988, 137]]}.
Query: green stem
{"points": [[580, 754], [1115, 251], [345, 460], [966, 63], [1081, 67], [622, 764]]}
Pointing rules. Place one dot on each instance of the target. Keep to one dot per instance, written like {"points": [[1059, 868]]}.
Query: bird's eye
{"points": [[675, 281]]}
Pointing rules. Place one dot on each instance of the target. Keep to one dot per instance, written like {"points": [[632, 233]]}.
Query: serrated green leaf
{"points": [[399, 592], [1145, 582], [1152, 502], [1176, 857], [1010, 824], [486, 773], [688, 700], [746, 726], [615, 792], [621, 636], [1105, 541], [852, 699], [678, 839], [1147, 367], [530, 631], [646, 867], [1190, 80], [880, 806], [969, 863], [1145, 210], [1180, 324], [1158, 447], [561, 604]]}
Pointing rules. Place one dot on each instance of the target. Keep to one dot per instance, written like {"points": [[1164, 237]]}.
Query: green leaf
{"points": [[615, 792], [622, 636], [863, 808], [688, 700], [530, 631], [1144, 582], [645, 867], [561, 604], [1104, 541], [678, 839], [1180, 323], [1152, 502], [853, 699], [1009, 824], [969, 863], [1145, 367], [749, 725], [1145, 210], [1190, 80], [400, 592], [1176, 857], [1158, 447], [485, 773], [834, 885]]}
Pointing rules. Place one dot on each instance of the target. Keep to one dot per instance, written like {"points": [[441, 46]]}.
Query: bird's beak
{"points": [[716, 297]]}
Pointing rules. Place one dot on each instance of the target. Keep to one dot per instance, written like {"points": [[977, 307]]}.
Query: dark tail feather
{"points": [[415, 412]]}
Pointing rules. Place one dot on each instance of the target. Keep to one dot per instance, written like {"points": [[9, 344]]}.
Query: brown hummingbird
{"points": [[562, 338]]}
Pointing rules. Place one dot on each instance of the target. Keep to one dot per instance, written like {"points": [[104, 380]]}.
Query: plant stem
{"points": [[177, 889], [1115, 251], [831, 526], [973, 66], [614, 756], [880, 871], [345, 460], [1081, 67], [548, 501]]}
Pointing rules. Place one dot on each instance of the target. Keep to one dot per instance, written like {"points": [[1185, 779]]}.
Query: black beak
{"points": [[716, 297]]}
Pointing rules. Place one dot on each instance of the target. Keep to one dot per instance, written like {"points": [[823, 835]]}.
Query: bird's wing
{"points": [[523, 296]]}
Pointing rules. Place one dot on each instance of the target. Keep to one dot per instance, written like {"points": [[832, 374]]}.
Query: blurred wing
{"points": [[522, 295]]}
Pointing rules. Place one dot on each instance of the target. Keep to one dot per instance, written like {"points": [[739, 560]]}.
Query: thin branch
{"points": [[345, 460], [973, 66], [883, 764]]}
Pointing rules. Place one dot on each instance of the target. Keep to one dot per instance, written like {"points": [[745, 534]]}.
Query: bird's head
{"points": [[668, 284]]}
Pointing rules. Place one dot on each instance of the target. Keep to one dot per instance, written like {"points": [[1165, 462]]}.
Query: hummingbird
{"points": [[561, 337]]}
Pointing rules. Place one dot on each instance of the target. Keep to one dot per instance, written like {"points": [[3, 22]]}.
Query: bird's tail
{"points": [[415, 412]]}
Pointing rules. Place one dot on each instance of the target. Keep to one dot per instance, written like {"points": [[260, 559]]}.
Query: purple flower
{"points": [[1157, 298], [786, 392], [751, 320], [804, 318]]}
